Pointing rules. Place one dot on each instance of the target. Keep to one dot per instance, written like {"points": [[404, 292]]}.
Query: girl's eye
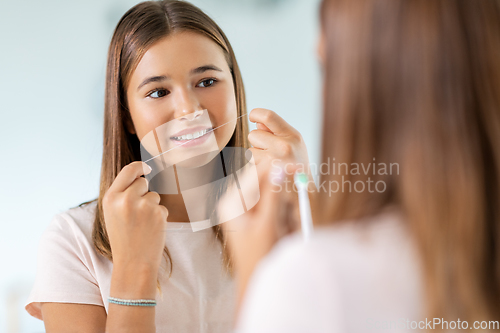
{"points": [[158, 93], [206, 83]]}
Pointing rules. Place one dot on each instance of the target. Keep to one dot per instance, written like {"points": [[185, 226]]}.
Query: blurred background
{"points": [[52, 71]]}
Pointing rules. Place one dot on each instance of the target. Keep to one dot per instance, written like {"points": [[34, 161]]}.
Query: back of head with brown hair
{"points": [[417, 83]]}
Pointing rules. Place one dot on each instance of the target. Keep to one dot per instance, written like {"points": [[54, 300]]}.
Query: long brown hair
{"points": [[138, 29], [417, 83]]}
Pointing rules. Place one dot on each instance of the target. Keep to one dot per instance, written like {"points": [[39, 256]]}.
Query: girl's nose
{"points": [[186, 105], [191, 115]]}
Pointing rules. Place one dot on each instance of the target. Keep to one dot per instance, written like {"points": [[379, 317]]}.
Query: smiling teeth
{"points": [[190, 136]]}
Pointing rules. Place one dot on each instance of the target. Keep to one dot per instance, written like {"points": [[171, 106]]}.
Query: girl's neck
{"points": [[190, 178], [176, 209]]}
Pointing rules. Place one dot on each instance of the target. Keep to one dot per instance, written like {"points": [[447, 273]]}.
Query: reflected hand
{"points": [[275, 139]]}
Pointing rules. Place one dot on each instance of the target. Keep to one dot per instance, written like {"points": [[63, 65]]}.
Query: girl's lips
{"points": [[194, 141]]}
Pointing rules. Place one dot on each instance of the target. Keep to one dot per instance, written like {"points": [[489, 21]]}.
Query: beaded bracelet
{"points": [[133, 302]]}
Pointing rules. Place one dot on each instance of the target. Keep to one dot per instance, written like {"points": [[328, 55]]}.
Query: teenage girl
{"points": [[167, 60]]}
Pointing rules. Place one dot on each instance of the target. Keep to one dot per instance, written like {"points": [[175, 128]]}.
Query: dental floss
{"points": [[189, 140], [301, 181]]}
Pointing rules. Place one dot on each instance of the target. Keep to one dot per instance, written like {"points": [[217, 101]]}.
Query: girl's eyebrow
{"points": [[197, 70], [153, 79], [205, 68]]}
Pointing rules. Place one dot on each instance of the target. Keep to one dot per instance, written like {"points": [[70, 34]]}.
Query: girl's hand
{"points": [[135, 221], [252, 235], [275, 139]]}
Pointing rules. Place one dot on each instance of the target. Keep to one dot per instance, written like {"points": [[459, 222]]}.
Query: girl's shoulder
{"points": [[361, 240], [76, 222], [351, 270], [68, 267]]}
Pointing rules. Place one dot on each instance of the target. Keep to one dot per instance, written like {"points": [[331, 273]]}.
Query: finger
{"points": [[139, 187], [278, 146], [272, 121], [263, 127], [153, 197], [261, 139], [128, 175]]}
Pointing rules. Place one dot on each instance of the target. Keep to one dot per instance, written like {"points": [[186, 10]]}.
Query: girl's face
{"points": [[177, 78]]}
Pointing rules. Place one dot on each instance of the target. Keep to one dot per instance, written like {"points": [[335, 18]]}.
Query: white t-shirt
{"points": [[358, 277], [198, 297]]}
